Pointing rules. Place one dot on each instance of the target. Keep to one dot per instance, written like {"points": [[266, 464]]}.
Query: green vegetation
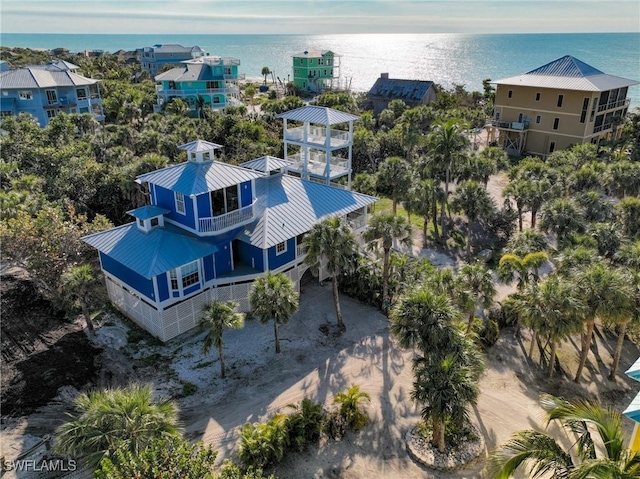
{"points": [[216, 317]]}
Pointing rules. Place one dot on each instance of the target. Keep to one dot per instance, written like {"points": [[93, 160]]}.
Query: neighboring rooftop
{"points": [[311, 54], [173, 48], [319, 115], [31, 77], [406, 90]]}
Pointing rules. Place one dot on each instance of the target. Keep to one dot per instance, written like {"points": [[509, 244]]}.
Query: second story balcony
{"points": [[602, 128], [316, 165], [613, 104], [205, 91], [317, 135], [221, 223], [508, 125]]}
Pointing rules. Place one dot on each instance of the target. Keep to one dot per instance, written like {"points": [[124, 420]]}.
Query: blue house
{"points": [[46, 90], [210, 230], [212, 80], [154, 59]]}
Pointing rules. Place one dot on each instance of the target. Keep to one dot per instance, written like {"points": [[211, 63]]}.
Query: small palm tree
{"points": [[394, 177], [475, 286], [524, 268], [332, 240], [274, 298], [386, 229], [76, 284], [216, 317], [562, 217], [472, 199], [265, 72], [351, 410], [125, 418], [623, 321], [594, 433]]}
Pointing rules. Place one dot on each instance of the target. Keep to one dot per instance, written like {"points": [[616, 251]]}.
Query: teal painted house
{"points": [[210, 230], [209, 82]]}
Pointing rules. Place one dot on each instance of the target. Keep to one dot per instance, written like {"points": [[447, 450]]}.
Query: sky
{"points": [[318, 17]]}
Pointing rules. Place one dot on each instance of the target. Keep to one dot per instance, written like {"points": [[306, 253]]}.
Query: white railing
{"points": [[236, 76], [613, 104], [205, 91], [299, 251], [357, 222], [317, 162], [217, 224], [318, 135], [606, 126], [511, 125]]}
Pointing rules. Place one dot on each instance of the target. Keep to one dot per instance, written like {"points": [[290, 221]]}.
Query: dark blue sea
{"points": [[448, 59]]}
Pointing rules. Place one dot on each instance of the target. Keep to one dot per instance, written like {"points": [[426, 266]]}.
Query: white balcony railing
{"points": [[605, 127], [217, 224], [317, 165], [613, 104], [509, 125], [357, 222], [318, 136], [299, 251], [204, 91]]}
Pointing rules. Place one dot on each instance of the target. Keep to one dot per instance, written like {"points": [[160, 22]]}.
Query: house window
{"points": [[184, 276], [296, 71], [141, 222], [227, 70], [593, 109], [510, 94], [538, 96], [154, 222], [180, 206], [281, 248], [301, 61], [26, 95], [538, 119], [216, 99], [225, 200], [51, 113], [325, 73], [52, 97], [560, 100], [213, 85], [585, 108], [520, 118], [81, 93], [552, 146], [320, 61], [556, 123]]}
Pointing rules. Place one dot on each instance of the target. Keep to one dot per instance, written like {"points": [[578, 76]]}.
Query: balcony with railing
{"points": [[508, 125], [603, 127], [317, 165], [613, 104], [221, 223], [317, 135], [300, 250], [205, 91]]}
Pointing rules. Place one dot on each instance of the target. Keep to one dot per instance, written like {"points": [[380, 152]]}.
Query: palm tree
{"points": [[605, 295], [594, 429], [629, 255], [552, 310], [525, 267], [475, 287], [633, 315], [249, 92], [216, 317], [518, 192], [394, 176], [76, 284], [124, 418], [447, 144], [424, 196], [333, 241], [274, 298], [474, 201], [350, 402], [387, 229], [265, 72], [562, 217]]}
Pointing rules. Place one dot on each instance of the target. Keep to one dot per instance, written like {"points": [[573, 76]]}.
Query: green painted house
{"points": [[316, 70]]}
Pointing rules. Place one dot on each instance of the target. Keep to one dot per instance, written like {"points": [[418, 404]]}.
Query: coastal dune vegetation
{"points": [[560, 238]]}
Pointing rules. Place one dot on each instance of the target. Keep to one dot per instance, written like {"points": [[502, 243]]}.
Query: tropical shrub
{"points": [[351, 410], [305, 425], [231, 470], [264, 444]]}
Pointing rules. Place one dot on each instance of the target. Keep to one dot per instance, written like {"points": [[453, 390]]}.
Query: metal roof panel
{"points": [[266, 164], [318, 114]]}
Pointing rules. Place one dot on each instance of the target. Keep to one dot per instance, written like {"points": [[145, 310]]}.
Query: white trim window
{"points": [[281, 248], [180, 206], [81, 93], [25, 95], [184, 276]]}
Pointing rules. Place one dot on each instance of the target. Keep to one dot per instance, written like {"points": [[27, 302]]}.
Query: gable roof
{"points": [[318, 114], [31, 77], [148, 211], [568, 73], [150, 254], [172, 48], [189, 72], [266, 164], [291, 206], [406, 90], [194, 178]]}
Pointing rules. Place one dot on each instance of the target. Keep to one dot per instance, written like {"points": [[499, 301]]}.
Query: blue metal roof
{"points": [[266, 164], [634, 371], [148, 211], [292, 206], [566, 66], [195, 178], [319, 115], [150, 254]]}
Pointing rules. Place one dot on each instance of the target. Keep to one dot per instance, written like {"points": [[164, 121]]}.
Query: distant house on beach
{"points": [[412, 92], [315, 71], [211, 228], [205, 82], [154, 59], [563, 103], [46, 90]]}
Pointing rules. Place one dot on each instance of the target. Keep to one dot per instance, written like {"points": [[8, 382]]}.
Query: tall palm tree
{"points": [[476, 287], [333, 241], [447, 144], [385, 229], [475, 202], [525, 268], [517, 191], [76, 284], [424, 196], [124, 418], [394, 176], [605, 295], [562, 217], [216, 317], [265, 72], [274, 298], [594, 433], [552, 310], [632, 316]]}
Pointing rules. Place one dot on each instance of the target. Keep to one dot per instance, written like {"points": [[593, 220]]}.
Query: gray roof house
{"points": [[154, 59], [412, 92]]}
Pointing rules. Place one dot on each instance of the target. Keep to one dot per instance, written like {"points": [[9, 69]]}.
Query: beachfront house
{"points": [[553, 107], [209, 82], [155, 59], [210, 229], [412, 92], [43, 91], [316, 70]]}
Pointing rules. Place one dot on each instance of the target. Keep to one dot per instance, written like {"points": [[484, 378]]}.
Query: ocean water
{"points": [[447, 59]]}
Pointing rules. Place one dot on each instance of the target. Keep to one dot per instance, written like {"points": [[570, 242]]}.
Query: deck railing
{"points": [[217, 224], [606, 126], [613, 104], [511, 125], [204, 91], [318, 136], [299, 250]]}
